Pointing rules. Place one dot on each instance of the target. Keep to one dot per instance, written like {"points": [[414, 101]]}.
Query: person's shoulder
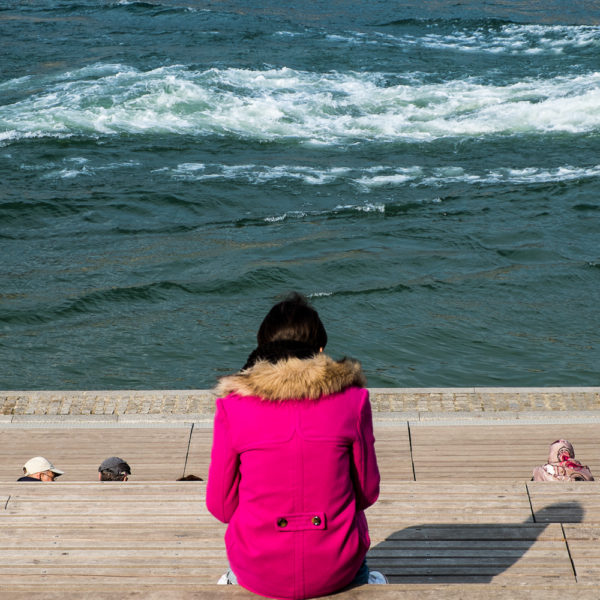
{"points": [[27, 478], [238, 406], [355, 392]]}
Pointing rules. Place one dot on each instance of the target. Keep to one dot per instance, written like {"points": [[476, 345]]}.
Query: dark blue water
{"points": [[427, 173]]}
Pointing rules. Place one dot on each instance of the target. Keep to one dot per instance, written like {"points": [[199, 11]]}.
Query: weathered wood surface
{"points": [[471, 526], [421, 502], [153, 454], [198, 459], [134, 589], [496, 452], [565, 502], [457, 453], [393, 453], [429, 533]]}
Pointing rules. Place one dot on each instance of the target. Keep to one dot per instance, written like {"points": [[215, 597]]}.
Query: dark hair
{"points": [[294, 320], [110, 476], [117, 473], [190, 478]]}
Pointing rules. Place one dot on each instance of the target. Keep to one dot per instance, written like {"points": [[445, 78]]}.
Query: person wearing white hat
{"points": [[39, 469]]}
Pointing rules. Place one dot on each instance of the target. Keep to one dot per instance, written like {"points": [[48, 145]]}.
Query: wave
{"points": [[287, 104], [149, 8], [488, 37], [377, 176], [341, 210], [363, 179], [134, 296], [95, 301]]}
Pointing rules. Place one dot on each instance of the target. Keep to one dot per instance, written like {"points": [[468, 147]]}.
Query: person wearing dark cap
{"points": [[114, 469]]}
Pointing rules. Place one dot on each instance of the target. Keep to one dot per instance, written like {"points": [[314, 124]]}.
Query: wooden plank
{"points": [[403, 555], [533, 590], [108, 520], [124, 509], [392, 445], [450, 545], [468, 532], [565, 502], [426, 532], [584, 547], [487, 452], [199, 453], [137, 588], [472, 553], [430, 502], [581, 531], [104, 490], [17, 534], [152, 453], [202, 571], [166, 542]]}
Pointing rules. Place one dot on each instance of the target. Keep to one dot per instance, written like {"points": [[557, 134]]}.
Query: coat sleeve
{"points": [[224, 470], [365, 472]]}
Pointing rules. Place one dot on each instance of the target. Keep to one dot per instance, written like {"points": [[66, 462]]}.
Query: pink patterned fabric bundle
{"points": [[562, 466]]}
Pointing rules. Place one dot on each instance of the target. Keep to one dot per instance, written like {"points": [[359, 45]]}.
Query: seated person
{"points": [[293, 465], [561, 465], [113, 469], [39, 469]]}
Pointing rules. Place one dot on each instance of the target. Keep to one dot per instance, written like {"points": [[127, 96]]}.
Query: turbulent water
{"points": [[426, 172]]}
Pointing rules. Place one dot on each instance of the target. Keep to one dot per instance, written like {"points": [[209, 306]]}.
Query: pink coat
{"points": [[292, 469]]}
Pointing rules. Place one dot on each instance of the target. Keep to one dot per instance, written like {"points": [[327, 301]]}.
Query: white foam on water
{"points": [[8, 137], [534, 175], [396, 176], [511, 176], [376, 176], [289, 34], [13, 84], [287, 215], [285, 104], [276, 219], [257, 174], [190, 168], [71, 173], [380, 208], [516, 39], [513, 39], [363, 208], [76, 166]]}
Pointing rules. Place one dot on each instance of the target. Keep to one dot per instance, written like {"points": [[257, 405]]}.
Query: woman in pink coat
{"points": [[293, 462]]}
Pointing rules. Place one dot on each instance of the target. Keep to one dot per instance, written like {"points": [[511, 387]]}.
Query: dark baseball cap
{"points": [[116, 465]]}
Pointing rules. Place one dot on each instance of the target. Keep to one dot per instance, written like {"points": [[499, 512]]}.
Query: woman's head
{"points": [[293, 320], [560, 450]]}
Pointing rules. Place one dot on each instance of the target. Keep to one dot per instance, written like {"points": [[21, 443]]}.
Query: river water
{"points": [[427, 173]]}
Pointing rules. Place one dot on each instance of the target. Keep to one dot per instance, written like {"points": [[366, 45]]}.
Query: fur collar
{"points": [[294, 378]]}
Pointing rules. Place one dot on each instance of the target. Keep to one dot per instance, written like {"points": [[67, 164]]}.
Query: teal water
{"points": [[427, 173]]}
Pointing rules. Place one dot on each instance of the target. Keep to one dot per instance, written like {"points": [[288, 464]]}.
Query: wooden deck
{"points": [[457, 516]]}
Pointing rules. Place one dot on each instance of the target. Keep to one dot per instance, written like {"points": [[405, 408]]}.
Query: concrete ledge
{"points": [[63, 419], [86, 423], [484, 400], [507, 418], [415, 404]]}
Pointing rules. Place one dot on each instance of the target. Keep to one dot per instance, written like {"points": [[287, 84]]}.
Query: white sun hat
{"points": [[39, 464]]}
